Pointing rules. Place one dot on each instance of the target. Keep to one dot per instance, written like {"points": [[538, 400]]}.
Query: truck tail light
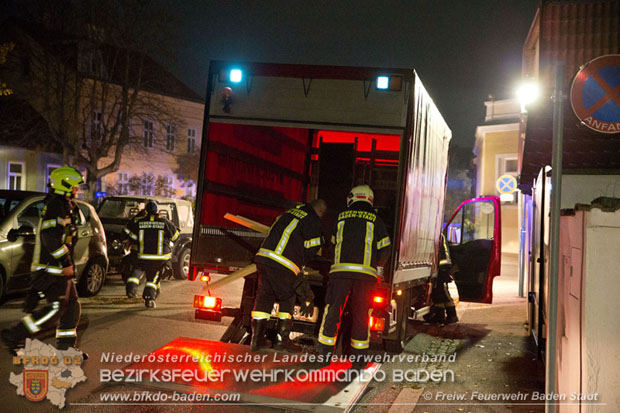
{"points": [[376, 323], [378, 299], [199, 273], [208, 302]]}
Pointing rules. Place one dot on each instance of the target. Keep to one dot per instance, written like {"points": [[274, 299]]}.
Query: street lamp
{"points": [[527, 93]]}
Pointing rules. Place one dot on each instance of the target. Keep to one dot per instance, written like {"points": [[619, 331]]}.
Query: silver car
{"points": [[20, 212]]}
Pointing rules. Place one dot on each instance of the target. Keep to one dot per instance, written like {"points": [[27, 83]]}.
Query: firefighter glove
{"points": [[307, 308]]}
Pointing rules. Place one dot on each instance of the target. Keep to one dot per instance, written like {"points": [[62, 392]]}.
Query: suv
{"points": [[116, 211], [20, 212]]}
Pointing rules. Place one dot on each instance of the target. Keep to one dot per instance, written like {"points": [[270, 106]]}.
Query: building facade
{"points": [[496, 154]]}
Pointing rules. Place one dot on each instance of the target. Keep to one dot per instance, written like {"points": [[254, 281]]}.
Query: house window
{"points": [[123, 183], [148, 134], [506, 164], [50, 168], [16, 176], [191, 140], [148, 182], [190, 189], [95, 125], [171, 136]]}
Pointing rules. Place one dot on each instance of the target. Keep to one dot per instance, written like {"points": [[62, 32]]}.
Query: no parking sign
{"points": [[595, 94]]}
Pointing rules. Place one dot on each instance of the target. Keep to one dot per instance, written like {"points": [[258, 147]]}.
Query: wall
{"points": [[137, 159], [584, 188], [601, 324], [35, 166]]}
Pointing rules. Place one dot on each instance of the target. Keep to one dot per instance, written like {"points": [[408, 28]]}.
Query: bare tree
{"points": [[5, 49], [91, 77]]}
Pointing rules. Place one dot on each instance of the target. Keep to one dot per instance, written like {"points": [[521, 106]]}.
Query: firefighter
{"points": [[293, 240], [361, 243], [132, 275], [53, 270], [443, 310], [152, 235]]}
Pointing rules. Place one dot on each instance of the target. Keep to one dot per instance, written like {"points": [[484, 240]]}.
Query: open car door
{"points": [[474, 239]]}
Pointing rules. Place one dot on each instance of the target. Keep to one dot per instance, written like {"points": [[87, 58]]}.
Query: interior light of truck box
{"points": [[383, 82], [236, 75]]}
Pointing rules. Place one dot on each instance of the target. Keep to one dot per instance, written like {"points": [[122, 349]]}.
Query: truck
{"points": [[276, 135]]}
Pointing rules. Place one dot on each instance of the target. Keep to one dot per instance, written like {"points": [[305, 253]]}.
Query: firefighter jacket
{"points": [[293, 239], [55, 235], [359, 237], [127, 232], [152, 234]]}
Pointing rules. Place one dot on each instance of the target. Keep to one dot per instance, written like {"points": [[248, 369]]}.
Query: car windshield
{"points": [[120, 208]]}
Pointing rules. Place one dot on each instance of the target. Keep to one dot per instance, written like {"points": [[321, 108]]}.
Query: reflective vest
{"points": [[359, 235], [53, 240], [293, 239], [152, 235]]}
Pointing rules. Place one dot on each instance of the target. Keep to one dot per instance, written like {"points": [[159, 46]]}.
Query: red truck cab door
{"points": [[474, 237]]}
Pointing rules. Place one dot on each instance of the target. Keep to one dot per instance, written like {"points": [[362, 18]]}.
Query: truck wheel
{"points": [[181, 267], [398, 344], [92, 279]]}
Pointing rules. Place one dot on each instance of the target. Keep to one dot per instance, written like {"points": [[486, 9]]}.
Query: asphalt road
{"points": [[110, 322]]}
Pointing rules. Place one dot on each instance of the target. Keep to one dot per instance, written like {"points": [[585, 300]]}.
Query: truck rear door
{"points": [[474, 239]]}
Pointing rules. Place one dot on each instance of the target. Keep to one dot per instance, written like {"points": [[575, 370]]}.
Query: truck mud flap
{"points": [[220, 369]]}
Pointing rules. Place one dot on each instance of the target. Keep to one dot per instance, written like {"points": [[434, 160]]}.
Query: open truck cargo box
{"points": [[286, 134]]}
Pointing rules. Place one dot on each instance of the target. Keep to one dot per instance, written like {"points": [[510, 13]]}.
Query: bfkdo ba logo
{"points": [[35, 384]]}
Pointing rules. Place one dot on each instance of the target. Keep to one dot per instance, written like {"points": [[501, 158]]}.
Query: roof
{"points": [[155, 77], [158, 199], [21, 125], [574, 32]]}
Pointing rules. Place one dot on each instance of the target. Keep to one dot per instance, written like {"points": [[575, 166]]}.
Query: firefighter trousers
{"points": [[339, 290], [62, 305], [440, 295], [275, 284], [133, 281], [153, 271]]}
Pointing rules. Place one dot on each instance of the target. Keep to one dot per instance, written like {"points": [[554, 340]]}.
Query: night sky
{"points": [[463, 50]]}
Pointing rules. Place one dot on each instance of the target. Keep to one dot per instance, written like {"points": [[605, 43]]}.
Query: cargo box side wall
{"points": [[423, 190]]}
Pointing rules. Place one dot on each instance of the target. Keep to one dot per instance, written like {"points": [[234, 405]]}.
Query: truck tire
{"points": [[398, 344], [92, 279], [181, 267]]}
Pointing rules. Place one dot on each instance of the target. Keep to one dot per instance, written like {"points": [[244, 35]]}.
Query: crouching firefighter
{"points": [[53, 270], [293, 239], [361, 243], [152, 234]]}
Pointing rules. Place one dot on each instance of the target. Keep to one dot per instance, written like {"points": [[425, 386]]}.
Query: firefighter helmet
{"points": [[151, 207], [62, 180], [360, 193]]}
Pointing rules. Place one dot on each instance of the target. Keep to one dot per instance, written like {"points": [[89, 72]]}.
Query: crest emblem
{"points": [[35, 384]]}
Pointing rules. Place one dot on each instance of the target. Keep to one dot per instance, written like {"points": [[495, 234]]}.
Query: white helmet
{"points": [[360, 193]]}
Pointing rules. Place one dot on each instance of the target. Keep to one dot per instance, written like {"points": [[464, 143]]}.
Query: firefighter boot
{"points": [[13, 338], [258, 335], [439, 316], [451, 315], [284, 340]]}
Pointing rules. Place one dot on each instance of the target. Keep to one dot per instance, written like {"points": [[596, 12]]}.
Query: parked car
{"points": [[116, 211], [20, 212]]}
